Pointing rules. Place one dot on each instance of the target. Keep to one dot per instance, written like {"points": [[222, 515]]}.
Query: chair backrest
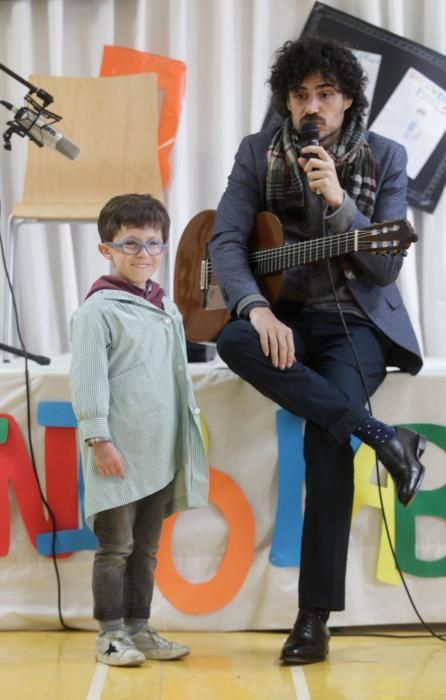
{"points": [[114, 121]]}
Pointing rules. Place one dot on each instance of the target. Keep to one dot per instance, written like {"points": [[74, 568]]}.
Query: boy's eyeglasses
{"points": [[132, 246]]}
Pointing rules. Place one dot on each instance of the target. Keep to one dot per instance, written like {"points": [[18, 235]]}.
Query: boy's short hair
{"points": [[132, 211]]}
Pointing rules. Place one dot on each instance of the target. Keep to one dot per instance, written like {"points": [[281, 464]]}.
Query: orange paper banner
{"points": [[117, 60]]}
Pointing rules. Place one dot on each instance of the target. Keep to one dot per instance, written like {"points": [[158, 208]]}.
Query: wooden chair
{"points": [[114, 121]]}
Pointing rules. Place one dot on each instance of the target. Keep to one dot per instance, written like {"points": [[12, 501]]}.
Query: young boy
{"points": [[139, 427]]}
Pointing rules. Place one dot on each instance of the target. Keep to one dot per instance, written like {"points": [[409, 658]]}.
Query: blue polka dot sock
{"points": [[374, 433]]}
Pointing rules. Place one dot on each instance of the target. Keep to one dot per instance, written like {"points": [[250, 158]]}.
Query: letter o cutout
{"points": [[206, 597]]}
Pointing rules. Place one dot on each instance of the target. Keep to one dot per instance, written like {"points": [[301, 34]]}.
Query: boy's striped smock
{"points": [[130, 381]]}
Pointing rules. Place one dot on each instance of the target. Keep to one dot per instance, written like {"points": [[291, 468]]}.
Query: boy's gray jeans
{"points": [[125, 559]]}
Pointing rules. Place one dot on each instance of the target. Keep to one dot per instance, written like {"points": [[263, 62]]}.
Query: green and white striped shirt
{"points": [[130, 381]]}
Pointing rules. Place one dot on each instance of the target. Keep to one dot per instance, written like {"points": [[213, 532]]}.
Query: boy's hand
{"points": [[108, 460]]}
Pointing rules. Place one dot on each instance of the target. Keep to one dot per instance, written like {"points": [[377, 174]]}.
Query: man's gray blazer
{"points": [[370, 278]]}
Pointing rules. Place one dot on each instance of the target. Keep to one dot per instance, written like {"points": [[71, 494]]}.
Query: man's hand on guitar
{"points": [[320, 170], [276, 339]]}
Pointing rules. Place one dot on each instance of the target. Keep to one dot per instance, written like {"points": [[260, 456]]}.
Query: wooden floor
{"points": [[222, 666]]}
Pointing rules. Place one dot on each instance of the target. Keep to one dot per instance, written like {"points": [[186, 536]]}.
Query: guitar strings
{"points": [[309, 251]]}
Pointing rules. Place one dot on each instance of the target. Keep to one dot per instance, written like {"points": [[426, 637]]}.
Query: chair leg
{"points": [[12, 226]]}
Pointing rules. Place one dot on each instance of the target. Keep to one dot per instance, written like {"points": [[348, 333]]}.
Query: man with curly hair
{"points": [[300, 350]]}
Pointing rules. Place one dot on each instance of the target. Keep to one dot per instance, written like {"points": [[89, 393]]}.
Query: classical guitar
{"points": [[198, 295]]}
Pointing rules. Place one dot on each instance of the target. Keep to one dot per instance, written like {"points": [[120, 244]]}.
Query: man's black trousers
{"points": [[324, 386]]}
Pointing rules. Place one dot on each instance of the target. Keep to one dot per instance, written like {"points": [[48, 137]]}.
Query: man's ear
{"points": [[104, 251], [348, 101]]}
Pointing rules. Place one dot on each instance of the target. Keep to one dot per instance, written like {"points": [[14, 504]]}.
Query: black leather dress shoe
{"points": [[400, 456], [308, 640]]}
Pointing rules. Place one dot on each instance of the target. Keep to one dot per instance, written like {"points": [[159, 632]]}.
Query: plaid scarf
{"points": [[353, 160]]}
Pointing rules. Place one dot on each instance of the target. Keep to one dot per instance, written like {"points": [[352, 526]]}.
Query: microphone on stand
{"points": [[27, 122]]}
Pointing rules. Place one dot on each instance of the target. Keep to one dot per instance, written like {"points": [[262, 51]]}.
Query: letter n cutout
{"points": [[16, 469]]}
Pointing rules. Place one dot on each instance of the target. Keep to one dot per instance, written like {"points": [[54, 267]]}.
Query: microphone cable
{"points": [[310, 135], [424, 624], [43, 499]]}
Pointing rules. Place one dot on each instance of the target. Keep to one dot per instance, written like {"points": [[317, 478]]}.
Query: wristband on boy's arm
{"points": [[94, 440]]}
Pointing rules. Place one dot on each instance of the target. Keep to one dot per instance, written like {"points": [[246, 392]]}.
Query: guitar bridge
{"points": [[204, 275], [212, 296]]}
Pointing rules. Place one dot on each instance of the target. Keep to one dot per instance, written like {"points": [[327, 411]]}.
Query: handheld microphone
{"points": [[309, 136], [43, 133]]}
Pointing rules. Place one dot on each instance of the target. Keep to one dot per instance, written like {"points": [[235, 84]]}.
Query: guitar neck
{"points": [[386, 238], [272, 260]]}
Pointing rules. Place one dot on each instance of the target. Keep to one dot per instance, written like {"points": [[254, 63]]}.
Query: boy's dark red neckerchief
{"points": [[153, 292]]}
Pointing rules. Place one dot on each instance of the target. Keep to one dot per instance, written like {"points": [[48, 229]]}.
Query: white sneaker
{"points": [[153, 646], [116, 649]]}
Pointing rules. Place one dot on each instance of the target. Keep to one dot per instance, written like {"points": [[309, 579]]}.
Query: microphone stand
{"points": [[15, 126], [40, 93], [46, 99], [40, 359]]}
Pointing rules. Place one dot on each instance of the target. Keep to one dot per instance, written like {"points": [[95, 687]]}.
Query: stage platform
{"points": [[235, 564]]}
